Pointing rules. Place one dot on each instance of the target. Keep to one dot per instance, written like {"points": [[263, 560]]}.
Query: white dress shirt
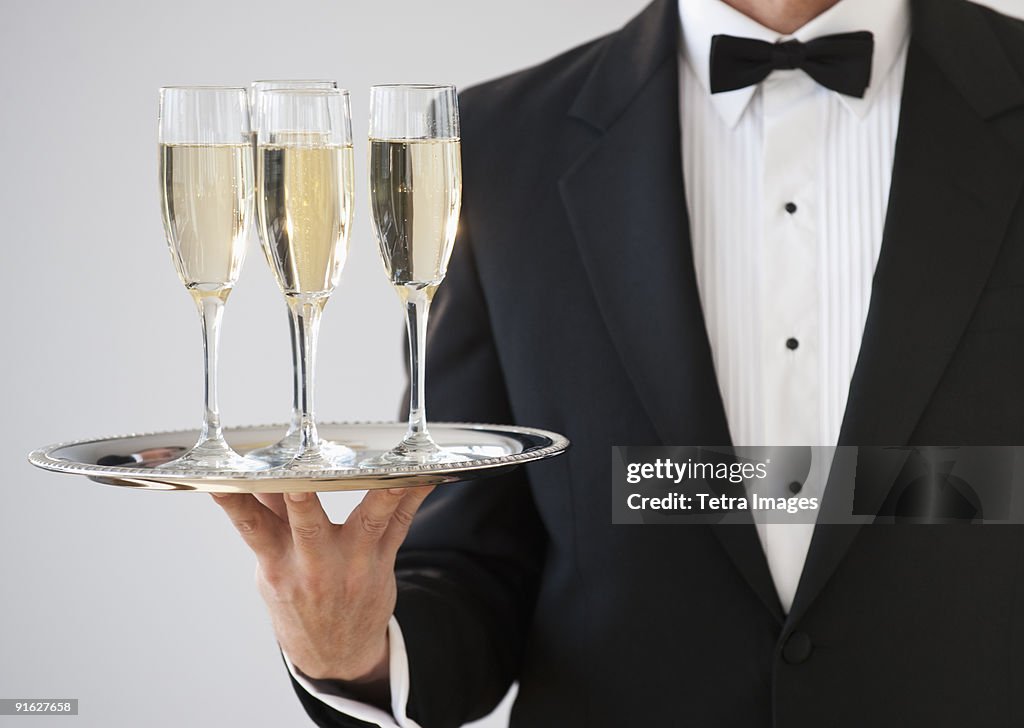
{"points": [[787, 185]]}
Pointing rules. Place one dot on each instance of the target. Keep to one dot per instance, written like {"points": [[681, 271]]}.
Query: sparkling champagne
{"points": [[415, 195], [305, 214], [207, 209]]}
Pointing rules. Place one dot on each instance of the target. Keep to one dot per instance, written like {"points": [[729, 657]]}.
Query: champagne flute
{"points": [[288, 446], [304, 175], [415, 197], [206, 176]]}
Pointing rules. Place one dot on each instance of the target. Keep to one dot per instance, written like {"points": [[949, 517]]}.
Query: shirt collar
{"points": [[888, 20]]}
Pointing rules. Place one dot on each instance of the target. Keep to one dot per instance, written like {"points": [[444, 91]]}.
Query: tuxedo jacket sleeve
{"points": [[467, 574], [469, 570]]}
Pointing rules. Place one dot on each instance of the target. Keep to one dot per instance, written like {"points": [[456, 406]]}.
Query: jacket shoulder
{"points": [[536, 94]]}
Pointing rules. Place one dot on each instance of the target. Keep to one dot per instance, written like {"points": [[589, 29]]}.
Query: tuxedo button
{"points": [[798, 648], [790, 207], [795, 487], [792, 344]]}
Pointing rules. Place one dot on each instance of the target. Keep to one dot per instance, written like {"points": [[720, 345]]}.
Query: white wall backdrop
{"points": [[142, 605]]}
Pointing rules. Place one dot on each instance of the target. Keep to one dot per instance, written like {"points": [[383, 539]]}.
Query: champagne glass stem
{"points": [[417, 308], [307, 314], [211, 310], [294, 327]]}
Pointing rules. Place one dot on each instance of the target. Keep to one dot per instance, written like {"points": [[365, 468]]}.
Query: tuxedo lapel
{"points": [[625, 200], [954, 187]]}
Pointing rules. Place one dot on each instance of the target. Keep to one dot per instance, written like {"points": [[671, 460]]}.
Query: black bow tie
{"points": [[840, 62]]}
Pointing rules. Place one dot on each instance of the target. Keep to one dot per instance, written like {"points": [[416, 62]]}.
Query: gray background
{"points": [[143, 605]]}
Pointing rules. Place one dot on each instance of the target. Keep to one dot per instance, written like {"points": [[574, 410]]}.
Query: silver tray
{"points": [[488, 449]]}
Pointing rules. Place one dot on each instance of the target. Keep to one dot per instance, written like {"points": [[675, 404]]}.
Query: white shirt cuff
{"points": [[399, 679]]}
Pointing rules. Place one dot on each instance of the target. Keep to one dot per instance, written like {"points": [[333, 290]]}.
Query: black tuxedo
{"points": [[571, 304]]}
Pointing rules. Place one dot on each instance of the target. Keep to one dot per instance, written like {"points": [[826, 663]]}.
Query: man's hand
{"points": [[330, 588]]}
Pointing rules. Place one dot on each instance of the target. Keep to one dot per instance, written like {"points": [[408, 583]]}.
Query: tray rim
{"points": [[42, 458]]}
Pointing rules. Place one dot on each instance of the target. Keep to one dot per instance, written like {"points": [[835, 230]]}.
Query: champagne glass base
{"points": [[415, 450], [288, 447], [213, 454], [325, 456]]}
